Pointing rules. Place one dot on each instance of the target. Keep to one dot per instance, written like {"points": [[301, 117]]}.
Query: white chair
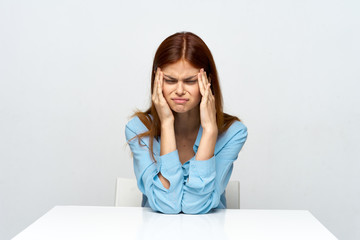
{"points": [[232, 194], [128, 194]]}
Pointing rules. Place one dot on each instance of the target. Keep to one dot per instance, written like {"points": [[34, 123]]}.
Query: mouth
{"points": [[180, 100]]}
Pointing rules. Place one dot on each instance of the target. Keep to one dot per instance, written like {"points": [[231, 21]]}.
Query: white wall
{"points": [[72, 72]]}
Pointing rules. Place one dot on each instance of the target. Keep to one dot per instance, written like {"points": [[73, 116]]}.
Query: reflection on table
{"points": [[81, 222]]}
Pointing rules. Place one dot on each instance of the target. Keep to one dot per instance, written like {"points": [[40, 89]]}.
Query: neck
{"points": [[187, 123]]}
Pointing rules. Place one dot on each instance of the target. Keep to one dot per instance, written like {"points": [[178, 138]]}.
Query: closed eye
{"points": [[169, 81], [191, 81]]}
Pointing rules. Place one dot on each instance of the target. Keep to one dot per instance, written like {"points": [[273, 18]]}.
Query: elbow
{"points": [[166, 208], [173, 211], [200, 206], [170, 210], [189, 209], [195, 211]]}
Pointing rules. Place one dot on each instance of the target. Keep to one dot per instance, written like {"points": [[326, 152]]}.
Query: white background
{"points": [[72, 72]]}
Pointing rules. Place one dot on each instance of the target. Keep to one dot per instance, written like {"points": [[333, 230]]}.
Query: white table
{"points": [[80, 222]]}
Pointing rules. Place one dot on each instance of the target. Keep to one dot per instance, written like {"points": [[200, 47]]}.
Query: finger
{"points": [[211, 91], [203, 76], [154, 94], [159, 89], [161, 78], [206, 79], [201, 85], [206, 96], [212, 97], [155, 80]]}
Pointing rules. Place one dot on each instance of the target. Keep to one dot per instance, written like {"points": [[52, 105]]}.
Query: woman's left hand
{"points": [[207, 105]]}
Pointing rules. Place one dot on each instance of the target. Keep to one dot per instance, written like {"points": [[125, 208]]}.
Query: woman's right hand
{"points": [[161, 105]]}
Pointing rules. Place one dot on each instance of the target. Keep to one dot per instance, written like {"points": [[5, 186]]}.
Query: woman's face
{"points": [[180, 86]]}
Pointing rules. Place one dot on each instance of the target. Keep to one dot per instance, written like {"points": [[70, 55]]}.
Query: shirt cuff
{"points": [[203, 168], [169, 163]]}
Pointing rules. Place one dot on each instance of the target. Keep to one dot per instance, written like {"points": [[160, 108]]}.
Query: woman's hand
{"points": [[207, 118], [162, 107], [207, 105]]}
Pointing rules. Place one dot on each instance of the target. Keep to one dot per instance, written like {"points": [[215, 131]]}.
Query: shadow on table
{"points": [[181, 226]]}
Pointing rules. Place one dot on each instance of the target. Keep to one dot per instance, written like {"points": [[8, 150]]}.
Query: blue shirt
{"points": [[196, 187]]}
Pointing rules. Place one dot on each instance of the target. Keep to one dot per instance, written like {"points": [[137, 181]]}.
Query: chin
{"points": [[183, 108], [180, 109]]}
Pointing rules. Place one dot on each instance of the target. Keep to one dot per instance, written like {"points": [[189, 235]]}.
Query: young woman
{"points": [[184, 145]]}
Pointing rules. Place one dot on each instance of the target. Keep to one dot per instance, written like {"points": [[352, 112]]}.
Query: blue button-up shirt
{"points": [[196, 186]]}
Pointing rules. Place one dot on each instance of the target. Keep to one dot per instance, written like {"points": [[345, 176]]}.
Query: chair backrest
{"points": [[128, 194], [232, 194]]}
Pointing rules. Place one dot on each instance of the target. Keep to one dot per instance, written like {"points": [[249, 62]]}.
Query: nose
{"points": [[180, 89]]}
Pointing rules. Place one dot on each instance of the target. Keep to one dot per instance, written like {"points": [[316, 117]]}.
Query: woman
{"points": [[184, 145]]}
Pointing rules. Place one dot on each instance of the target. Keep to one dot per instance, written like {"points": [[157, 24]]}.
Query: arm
{"points": [[148, 173], [208, 119], [168, 145], [207, 145], [168, 142], [208, 179]]}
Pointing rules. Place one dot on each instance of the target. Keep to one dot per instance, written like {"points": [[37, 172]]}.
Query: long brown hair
{"points": [[184, 46]]}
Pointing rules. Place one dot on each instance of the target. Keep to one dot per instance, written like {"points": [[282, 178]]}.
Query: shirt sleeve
{"points": [[209, 178], [146, 172]]}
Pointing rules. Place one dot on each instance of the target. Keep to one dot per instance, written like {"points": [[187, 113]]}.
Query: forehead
{"points": [[181, 68]]}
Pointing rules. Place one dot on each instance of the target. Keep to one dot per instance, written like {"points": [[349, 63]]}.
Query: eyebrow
{"points": [[188, 78]]}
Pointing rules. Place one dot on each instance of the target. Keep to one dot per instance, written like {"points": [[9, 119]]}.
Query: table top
{"points": [[88, 222]]}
